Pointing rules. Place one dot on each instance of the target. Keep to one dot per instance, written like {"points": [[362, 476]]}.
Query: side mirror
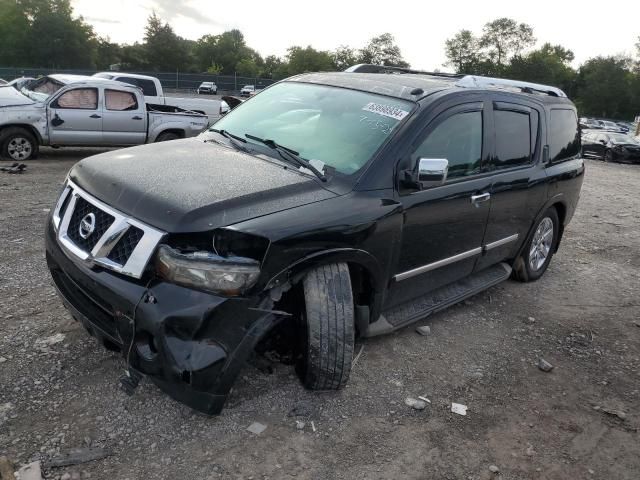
{"points": [[431, 172]]}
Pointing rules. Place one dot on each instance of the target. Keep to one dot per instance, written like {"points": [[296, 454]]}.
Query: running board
{"points": [[438, 299]]}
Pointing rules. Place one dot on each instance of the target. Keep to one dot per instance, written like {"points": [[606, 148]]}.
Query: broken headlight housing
{"points": [[204, 270]]}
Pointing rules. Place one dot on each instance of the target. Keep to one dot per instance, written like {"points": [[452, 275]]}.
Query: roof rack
{"points": [[475, 81], [468, 81], [369, 68]]}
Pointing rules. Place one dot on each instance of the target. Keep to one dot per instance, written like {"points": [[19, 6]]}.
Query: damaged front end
{"points": [[188, 322]]}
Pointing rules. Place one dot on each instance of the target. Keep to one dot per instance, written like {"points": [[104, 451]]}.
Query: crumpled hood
{"points": [[190, 186], [10, 97]]}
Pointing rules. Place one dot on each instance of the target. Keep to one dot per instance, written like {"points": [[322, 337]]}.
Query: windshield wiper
{"points": [[233, 139], [291, 154]]}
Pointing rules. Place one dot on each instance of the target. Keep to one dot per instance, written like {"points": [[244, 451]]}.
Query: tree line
{"points": [[45, 33], [603, 86]]}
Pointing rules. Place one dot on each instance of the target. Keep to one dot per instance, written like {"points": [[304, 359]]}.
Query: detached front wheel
{"points": [[328, 328], [537, 253]]}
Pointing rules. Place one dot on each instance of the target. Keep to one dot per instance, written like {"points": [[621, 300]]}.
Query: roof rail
{"points": [[369, 68], [475, 81]]}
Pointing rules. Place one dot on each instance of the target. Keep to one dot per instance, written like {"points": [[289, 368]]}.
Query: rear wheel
{"points": [[608, 156], [18, 144], [328, 328], [166, 136], [537, 253]]}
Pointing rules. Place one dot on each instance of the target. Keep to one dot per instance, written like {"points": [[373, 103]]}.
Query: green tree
{"points": [[604, 88], [107, 53], [463, 52], [164, 50], [345, 57], [550, 65], [247, 67], [308, 59], [503, 38], [382, 50], [272, 66], [14, 33]]}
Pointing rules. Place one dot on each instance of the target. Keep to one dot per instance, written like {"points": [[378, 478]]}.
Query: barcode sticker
{"points": [[386, 110]]}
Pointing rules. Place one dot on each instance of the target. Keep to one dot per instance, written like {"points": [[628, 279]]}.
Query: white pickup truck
{"points": [[153, 93], [86, 111]]}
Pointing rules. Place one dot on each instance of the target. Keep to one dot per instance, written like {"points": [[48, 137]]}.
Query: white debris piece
{"points": [[300, 425], [415, 403], [424, 330], [30, 471], [257, 428], [424, 399], [52, 340], [459, 408]]}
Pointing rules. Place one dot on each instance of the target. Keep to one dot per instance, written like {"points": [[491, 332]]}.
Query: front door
{"points": [[124, 118], [444, 225], [75, 118]]}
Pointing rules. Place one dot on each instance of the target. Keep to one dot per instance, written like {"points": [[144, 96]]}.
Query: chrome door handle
{"points": [[483, 197]]}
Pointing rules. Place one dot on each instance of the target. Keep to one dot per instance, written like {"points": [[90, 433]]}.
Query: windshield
{"points": [[41, 89], [339, 127]]}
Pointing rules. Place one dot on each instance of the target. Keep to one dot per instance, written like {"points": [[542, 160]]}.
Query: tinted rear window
{"points": [[564, 140], [148, 86], [513, 139]]}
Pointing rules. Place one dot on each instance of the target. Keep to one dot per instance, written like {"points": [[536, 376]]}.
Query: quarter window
{"points": [[565, 135], [513, 139], [148, 86], [120, 101], [459, 140], [80, 98]]}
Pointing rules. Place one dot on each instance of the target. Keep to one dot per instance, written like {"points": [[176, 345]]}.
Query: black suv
{"points": [[329, 206]]}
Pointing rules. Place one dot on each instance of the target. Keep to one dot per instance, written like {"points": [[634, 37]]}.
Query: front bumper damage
{"points": [[191, 344]]}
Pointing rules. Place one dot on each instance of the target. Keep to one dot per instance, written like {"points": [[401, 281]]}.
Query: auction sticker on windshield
{"points": [[386, 110]]}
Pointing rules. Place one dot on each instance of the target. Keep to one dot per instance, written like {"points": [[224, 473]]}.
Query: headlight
{"points": [[203, 270]]}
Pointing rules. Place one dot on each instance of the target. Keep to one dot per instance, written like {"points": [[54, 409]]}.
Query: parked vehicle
{"points": [[321, 206], [611, 126], [248, 90], [611, 147], [86, 112], [590, 123], [3, 81], [208, 88], [153, 93], [21, 82]]}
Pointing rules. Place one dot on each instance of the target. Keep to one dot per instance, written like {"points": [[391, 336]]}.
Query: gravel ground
{"points": [[578, 421]]}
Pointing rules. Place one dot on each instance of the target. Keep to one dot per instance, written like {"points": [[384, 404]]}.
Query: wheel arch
{"points": [[366, 275], [30, 128], [559, 202], [178, 131]]}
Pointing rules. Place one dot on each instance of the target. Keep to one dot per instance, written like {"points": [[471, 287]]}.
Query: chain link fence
{"points": [[171, 81]]}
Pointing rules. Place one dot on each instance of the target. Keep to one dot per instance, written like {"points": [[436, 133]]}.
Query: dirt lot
{"points": [[583, 317]]}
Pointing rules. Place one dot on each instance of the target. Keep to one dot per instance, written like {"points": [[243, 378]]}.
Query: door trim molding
{"points": [[440, 263], [499, 243], [456, 258]]}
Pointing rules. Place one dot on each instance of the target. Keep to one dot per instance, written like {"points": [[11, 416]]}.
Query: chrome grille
{"points": [[117, 242]]}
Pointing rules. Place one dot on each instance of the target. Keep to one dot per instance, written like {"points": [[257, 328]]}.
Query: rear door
{"points": [[75, 117], [518, 180], [124, 118]]}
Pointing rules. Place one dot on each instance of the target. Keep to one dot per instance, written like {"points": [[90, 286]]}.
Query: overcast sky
{"points": [[420, 27]]}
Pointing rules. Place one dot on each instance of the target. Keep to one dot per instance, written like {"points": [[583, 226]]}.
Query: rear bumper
{"points": [[191, 344]]}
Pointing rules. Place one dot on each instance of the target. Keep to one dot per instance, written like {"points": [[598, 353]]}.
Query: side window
{"points": [[564, 140], [459, 140], [513, 139], [80, 98], [148, 88], [120, 101]]}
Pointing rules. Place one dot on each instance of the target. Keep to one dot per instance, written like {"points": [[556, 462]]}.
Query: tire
{"points": [[532, 263], [167, 136], [328, 328], [18, 144], [608, 156]]}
